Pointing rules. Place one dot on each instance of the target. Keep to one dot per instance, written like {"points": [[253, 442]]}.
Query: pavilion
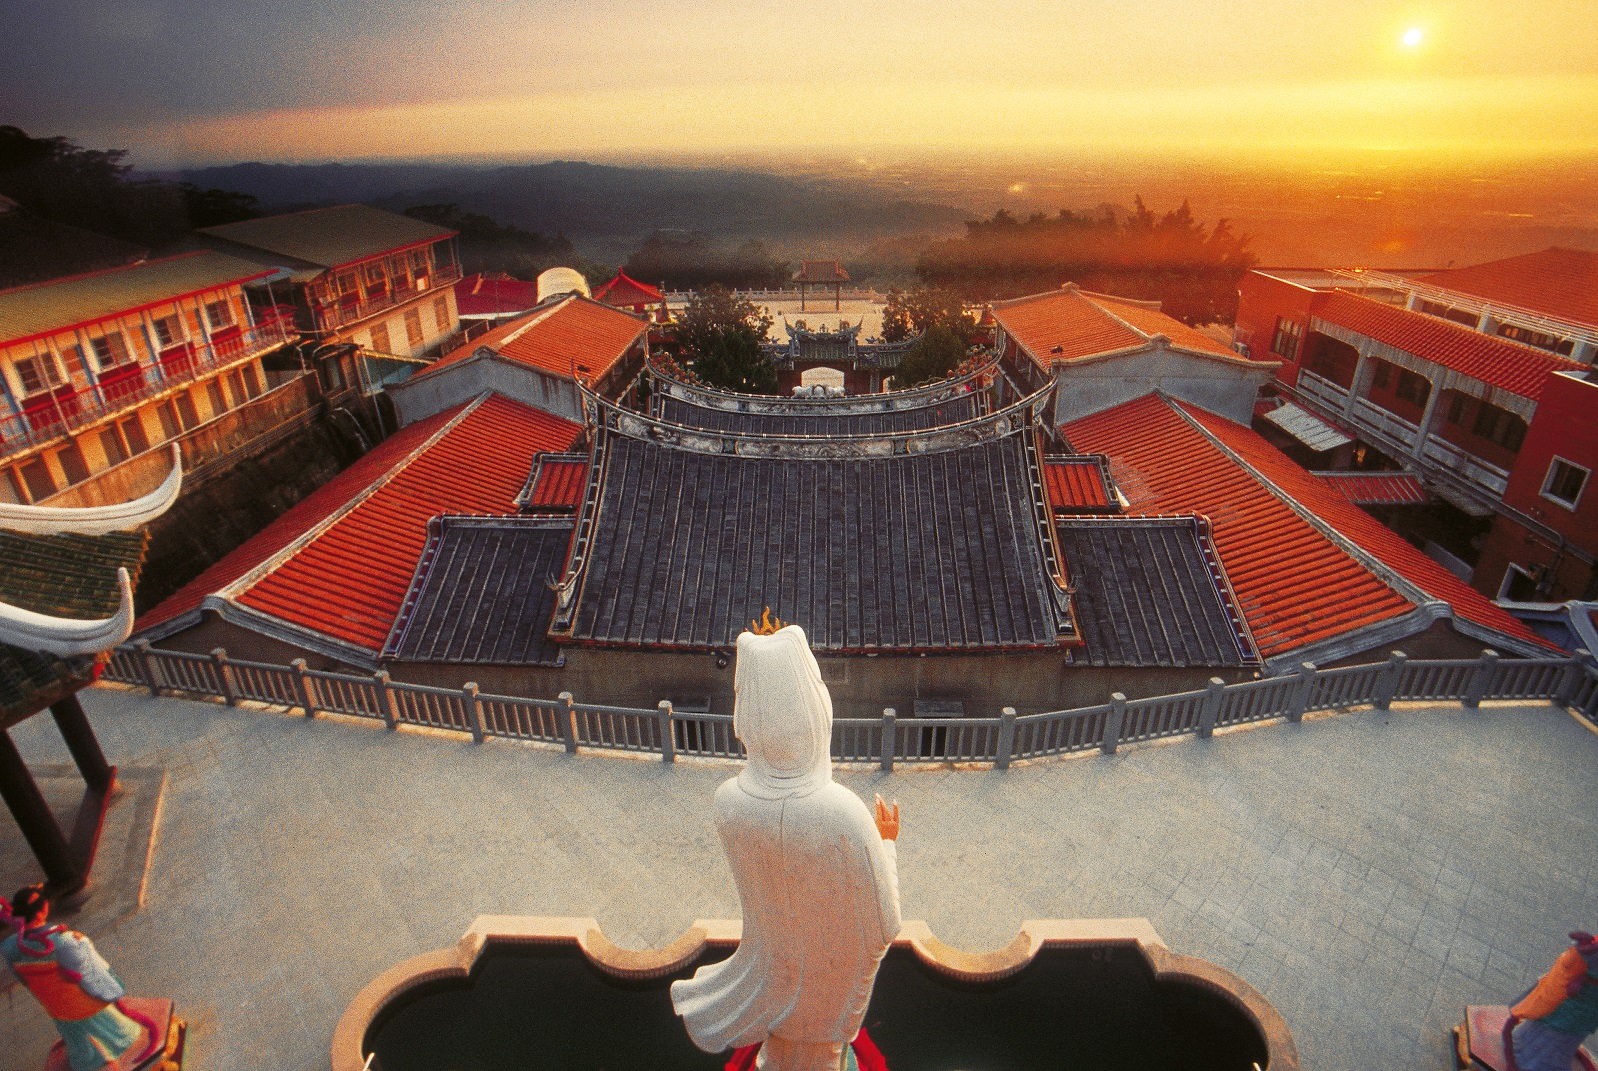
{"points": [[822, 273]]}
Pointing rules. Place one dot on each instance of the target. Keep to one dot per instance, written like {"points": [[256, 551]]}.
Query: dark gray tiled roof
{"points": [[936, 541], [1150, 592], [823, 422], [481, 593]]}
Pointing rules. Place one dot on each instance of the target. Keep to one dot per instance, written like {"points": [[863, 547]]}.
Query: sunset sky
{"points": [[181, 81]]}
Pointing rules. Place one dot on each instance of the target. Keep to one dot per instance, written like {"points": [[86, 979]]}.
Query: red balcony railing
{"points": [[331, 316], [51, 415]]}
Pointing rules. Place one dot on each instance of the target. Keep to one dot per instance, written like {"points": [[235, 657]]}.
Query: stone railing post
{"points": [[1576, 671], [1210, 708], [147, 665], [387, 704], [1387, 681], [474, 712], [567, 717], [1001, 761], [890, 733], [668, 737], [224, 677], [305, 685], [1113, 722], [1483, 679], [1303, 691]]}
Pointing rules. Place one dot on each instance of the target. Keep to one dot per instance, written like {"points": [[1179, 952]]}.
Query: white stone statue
{"points": [[816, 876]]}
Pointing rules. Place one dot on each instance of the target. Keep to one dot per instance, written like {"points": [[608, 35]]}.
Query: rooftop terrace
{"points": [[1370, 872]]}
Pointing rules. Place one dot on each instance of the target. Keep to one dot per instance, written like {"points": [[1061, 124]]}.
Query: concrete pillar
{"points": [[1360, 386], [1584, 351], [1487, 323], [1428, 417]]}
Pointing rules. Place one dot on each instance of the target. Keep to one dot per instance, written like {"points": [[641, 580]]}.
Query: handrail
{"points": [[1571, 682]]}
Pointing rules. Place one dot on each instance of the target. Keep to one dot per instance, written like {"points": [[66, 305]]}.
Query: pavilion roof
{"points": [[627, 292], [820, 271], [491, 294]]}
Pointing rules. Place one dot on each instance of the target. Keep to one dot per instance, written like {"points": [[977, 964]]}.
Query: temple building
{"points": [[628, 293], [1474, 385]]}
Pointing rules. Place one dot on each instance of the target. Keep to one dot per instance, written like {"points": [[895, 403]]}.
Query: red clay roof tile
{"points": [[488, 295], [626, 291], [576, 336], [558, 484], [1497, 362], [1296, 585], [1071, 324], [1075, 484], [1556, 282]]}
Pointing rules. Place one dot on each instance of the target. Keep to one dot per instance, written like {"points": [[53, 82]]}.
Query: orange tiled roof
{"points": [[556, 483], [1556, 282], [1076, 484], [348, 580], [490, 294], [1296, 585], [576, 335], [1494, 361], [1068, 324]]}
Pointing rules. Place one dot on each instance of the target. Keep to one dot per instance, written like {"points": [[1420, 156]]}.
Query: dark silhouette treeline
{"points": [[1191, 269], [691, 260], [488, 246]]}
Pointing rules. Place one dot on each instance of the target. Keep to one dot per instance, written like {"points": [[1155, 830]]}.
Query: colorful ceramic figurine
{"points": [[1547, 1027], [64, 972]]}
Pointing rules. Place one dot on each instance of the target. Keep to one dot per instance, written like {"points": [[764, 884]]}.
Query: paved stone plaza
{"points": [[1369, 872]]}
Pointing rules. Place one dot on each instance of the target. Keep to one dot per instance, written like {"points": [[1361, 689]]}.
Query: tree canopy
{"points": [[719, 335], [691, 260], [1173, 258], [911, 312], [488, 246], [934, 356]]}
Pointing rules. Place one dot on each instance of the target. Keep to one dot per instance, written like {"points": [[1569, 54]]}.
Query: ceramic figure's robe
{"points": [[817, 883], [78, 991]]}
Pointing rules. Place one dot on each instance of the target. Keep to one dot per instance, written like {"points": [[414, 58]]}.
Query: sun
{"points": [[1413, 36]]}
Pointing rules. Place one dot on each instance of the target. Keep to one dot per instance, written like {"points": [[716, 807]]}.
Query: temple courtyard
{"points": [[1370, 872]]}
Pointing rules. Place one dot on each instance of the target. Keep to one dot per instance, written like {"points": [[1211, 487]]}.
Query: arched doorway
{"points": [[822, 376]]}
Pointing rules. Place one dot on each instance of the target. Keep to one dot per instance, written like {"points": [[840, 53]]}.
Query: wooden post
{"points": [[1387, 682], [224, 677], [38, 824], [1210, 709], [79, 736], [668, 739], [147, 664], [1006, 738], [1113, 722], [387, 705], [1480, 683], [474, 712], [568, 721], [890, 733], [306, 686], [1303, 692]]}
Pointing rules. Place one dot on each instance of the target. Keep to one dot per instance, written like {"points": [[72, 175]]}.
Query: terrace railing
{"points": [[885, 741]]}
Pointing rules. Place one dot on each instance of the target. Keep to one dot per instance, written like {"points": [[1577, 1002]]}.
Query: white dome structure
{"points": [[558, 281]]}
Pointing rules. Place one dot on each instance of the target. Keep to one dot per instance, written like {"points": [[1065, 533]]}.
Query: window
{"points": [[1564, 482], [441, 313], [111, 349], [1413, 388], [219, 314], [133, 435], [252, 385], [1447, 312], [1286, 340], [1459, 410], [72, 464], [1552, 343], [168, 331], [380, 338], [72, 356], [413, 327], [419, 262], [170, 428], [374, 275], [36, 474], [1381, 375], [1519, 584], [235, 386], [38, 373], [213, 391], [1499, 426], [347, 284], [111, 443], [186, 411]]}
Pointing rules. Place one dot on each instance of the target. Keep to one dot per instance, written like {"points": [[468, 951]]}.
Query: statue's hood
{"points": [[783, 714]]}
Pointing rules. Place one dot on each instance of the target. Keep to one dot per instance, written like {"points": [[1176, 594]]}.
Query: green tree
{"points": [[712, 313], [736, 362], [935, 354]]}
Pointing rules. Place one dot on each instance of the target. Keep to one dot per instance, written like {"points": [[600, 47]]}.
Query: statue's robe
{"points": [[820, 897]]}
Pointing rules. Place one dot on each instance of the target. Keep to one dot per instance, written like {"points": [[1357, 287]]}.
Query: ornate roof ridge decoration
{"points": [[1026, 414], [96, 520], [63, 636], [677, 386]]}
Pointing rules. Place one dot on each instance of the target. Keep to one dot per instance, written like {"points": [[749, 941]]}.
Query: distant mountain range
{"points": [[604, 208]]}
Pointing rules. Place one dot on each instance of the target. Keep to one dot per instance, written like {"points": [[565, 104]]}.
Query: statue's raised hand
{"points": [[887, 820]]}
